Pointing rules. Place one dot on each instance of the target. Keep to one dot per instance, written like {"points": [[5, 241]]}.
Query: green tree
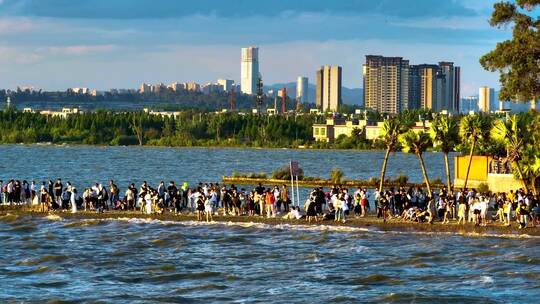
{"points": [[390, 131], [517, 59], [418, 143], [513, 132], [474, 128], [445, 135]]}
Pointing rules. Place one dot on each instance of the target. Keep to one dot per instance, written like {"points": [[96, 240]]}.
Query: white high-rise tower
{"points": [[302, 89], [249, 70]]}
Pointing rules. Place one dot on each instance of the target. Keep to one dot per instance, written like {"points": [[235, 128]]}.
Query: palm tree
{"points": [[418, 143], [445, 135], [474, 128], [390, 131], [513, 132]]}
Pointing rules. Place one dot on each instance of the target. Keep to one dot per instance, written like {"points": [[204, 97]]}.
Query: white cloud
{"points": [[77, 50], [10, 55], [453, 23], [16, 25]]}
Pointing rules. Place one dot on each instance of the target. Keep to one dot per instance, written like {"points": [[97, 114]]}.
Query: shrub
{"points": [[373, 181], [336, 175], [437, 181], [285, 173], [401, 179], [124, 140], [483, 188]]}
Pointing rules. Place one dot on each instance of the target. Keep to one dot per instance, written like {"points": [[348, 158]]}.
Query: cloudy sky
{"points": [[55, 44]]}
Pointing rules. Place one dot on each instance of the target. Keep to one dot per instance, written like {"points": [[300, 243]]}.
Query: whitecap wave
{"points": [[302, 227], [54, 217]]}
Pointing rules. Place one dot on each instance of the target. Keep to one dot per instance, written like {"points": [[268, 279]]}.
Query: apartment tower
{"points": [[249, 70], [328, 92], [386, 84]]}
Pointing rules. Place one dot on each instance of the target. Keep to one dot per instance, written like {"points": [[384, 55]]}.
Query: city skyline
{"points": [[52, 44]]}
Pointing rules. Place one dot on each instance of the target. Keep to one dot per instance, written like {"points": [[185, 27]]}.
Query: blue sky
{"points": [[55, 44]]}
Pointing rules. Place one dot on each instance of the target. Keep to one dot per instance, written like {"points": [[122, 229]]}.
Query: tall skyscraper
{"points": [[319, 88], [486, 96], [434, 87], [302, 89], [249, 70], [457, 89], [386, 84], [328, 92]]}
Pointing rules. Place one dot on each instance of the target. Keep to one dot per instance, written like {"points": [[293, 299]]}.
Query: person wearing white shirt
{"points": [[73, 200]]}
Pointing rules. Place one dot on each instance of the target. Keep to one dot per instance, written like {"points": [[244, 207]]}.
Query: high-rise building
{"points": [[145, 88], [328, 92], [302, 89], [249, 70], [175, 86], [319, 88], [434, 87], [192, 86], [451, 87], [386, 84], [457, 89], [226, 83], [486, 96]]}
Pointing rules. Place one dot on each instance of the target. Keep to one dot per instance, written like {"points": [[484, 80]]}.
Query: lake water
{"points": [[148, 261], [85, 165]]}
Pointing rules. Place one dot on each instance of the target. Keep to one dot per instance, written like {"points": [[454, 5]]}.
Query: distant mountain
{"points": [[350, 96]]}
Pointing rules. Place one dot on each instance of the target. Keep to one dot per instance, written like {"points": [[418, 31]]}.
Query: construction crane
{"points": [[231, 99]]}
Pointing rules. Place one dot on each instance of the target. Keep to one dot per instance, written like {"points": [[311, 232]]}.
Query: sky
{"points": [[103, 44]]}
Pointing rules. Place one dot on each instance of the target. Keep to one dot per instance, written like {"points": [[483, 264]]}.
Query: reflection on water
{"points": [[153, 261]]}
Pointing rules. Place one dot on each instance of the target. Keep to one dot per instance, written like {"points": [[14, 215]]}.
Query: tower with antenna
{"points": [[231, 99], [284, 100], [259, 96]]}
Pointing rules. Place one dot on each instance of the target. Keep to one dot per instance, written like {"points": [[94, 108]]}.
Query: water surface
{"points": [[142, 261]]}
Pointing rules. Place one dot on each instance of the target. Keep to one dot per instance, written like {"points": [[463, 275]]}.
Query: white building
{"points": [[302, 89], [211, 88], [486, 96], [80, 90], [227, 84], [249, 70]]}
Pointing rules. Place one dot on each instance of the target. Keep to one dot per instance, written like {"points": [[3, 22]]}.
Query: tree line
{"points": [[189, 128]]}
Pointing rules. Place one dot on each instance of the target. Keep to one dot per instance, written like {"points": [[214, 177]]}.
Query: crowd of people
{"points": [[337, 204]]}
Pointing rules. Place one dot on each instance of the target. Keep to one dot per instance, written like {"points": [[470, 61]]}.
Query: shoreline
{"points": [[369, 223], [306, 148]]}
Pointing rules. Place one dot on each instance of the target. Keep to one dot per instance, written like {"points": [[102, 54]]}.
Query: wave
{"points": [[298, 227], [295, 227], [54, 217], [8, 218]]}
